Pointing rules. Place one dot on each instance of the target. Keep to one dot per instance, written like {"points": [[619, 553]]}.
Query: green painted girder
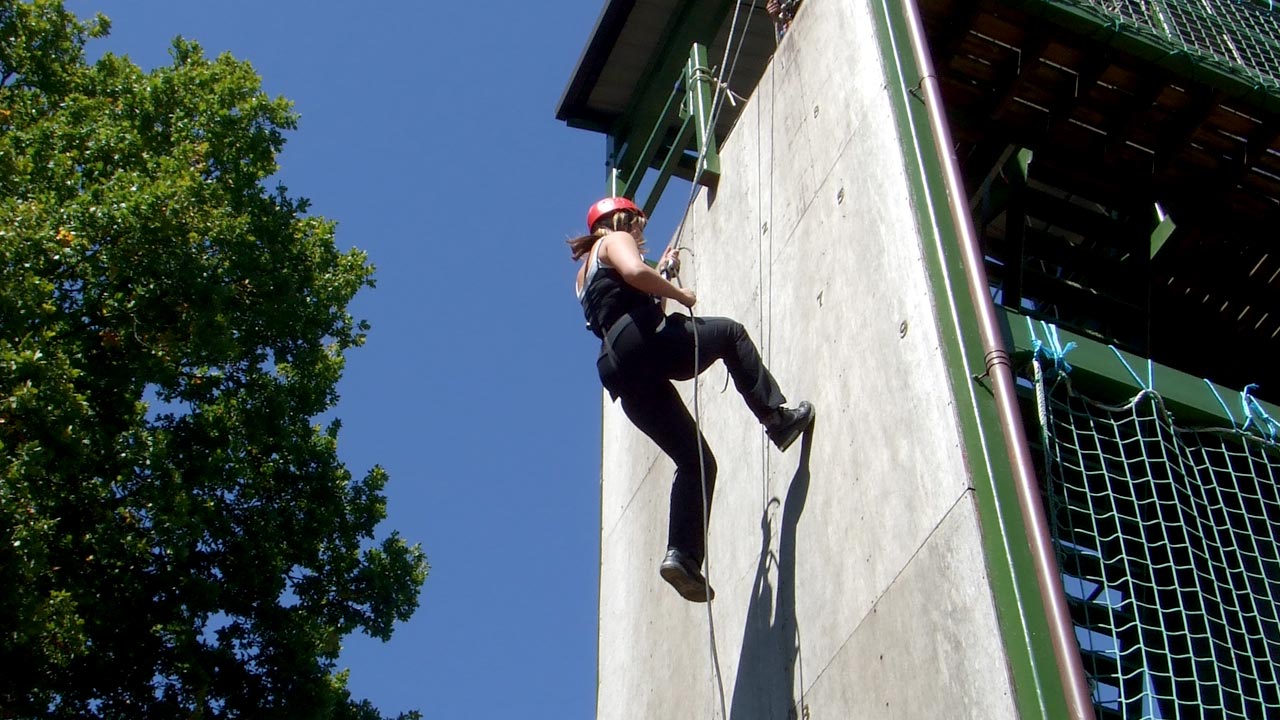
{"points": [[1108, 375], [1161, 234], [701, 104], [692, 103], [671, 112], [1008, 197], [696, 21], [670, 164]]}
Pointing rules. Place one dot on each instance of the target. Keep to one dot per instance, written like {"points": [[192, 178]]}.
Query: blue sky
{"points": [[428, 133]]}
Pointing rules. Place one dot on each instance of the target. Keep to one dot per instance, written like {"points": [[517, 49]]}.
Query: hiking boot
{"points": [[785, 425], [680, 571]]}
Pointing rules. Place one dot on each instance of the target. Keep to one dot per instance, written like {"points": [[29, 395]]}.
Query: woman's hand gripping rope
{"points": [[669, 268], [669, 264]]}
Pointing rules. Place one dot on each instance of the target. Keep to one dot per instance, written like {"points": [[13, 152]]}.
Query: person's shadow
{"points": [[765, 687]]}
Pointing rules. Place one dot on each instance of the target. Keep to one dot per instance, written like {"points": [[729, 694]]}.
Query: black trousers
{"points": [[638, 367]]}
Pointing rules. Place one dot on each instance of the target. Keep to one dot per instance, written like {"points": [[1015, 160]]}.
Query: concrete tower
{"points": [[906, 202]]}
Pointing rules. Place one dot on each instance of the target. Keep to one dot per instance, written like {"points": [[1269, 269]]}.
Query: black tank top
{"points": [[607, 297]]}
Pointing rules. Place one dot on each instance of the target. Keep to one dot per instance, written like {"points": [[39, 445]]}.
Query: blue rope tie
{"points": [[1251, 406], [1149, 384], [1055, 351]]}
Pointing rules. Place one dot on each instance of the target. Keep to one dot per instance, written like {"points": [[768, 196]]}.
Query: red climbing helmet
{"points": [[607, 206]]}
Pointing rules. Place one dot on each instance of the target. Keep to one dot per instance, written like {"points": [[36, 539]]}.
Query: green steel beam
{"points": [[692, 102], [1161, 234], [702, 98], [695, 21], [613, 176], [634, 174], [1016, 226], [1109, 375], [669, 164]]}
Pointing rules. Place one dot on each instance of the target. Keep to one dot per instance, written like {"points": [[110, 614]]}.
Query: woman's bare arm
{"points": [[621, 252]]}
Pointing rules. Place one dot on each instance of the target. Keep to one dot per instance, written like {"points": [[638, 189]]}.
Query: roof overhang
{"points": [[638, 46]]}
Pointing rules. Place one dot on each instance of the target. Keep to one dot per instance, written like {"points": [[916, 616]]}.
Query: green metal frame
{"points": [[696, 21], [1097, 366], [1108, 374], [686, 115], [701, 102], [1010, 198]]}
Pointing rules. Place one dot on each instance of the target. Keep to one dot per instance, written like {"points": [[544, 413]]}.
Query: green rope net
{"points": [[1242, 34], [1169, 544]]}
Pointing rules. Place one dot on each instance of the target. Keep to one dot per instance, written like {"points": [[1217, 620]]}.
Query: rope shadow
{"points": [[765, 686]]}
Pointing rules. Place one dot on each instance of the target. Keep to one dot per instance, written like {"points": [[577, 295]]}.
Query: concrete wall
{"points": [[849, 570]]}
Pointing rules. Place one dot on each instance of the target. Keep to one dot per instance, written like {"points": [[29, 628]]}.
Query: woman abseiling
{"points": [[643, 349]]}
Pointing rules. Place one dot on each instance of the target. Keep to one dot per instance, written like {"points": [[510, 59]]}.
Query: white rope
{"points": [[803, 710], [723, 80], [706, 520], [716, 106]]}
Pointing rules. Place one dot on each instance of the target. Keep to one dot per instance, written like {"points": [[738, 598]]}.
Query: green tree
{"points": [[177, 537]]}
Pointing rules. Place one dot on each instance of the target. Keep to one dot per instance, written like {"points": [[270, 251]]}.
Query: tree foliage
{"points": [[177, 537]]}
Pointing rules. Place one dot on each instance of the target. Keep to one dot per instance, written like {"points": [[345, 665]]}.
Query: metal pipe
{"points": [[1000, 370]]}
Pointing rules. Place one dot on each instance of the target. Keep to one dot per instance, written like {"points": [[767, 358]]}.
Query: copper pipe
{"points": [[1061, 630]]}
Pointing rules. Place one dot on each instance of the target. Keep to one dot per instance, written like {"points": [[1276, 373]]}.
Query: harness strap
{"points": [[611, 336]]}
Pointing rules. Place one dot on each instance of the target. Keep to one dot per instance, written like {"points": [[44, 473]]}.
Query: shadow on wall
{"points": [[765, 688]]}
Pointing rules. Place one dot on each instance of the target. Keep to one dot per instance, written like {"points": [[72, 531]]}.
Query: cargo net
{"points": [[1167, 541], [1242, 34]]}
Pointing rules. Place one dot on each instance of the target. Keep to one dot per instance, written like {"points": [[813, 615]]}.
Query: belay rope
{"points": [[722, 88], [706, 506]]}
